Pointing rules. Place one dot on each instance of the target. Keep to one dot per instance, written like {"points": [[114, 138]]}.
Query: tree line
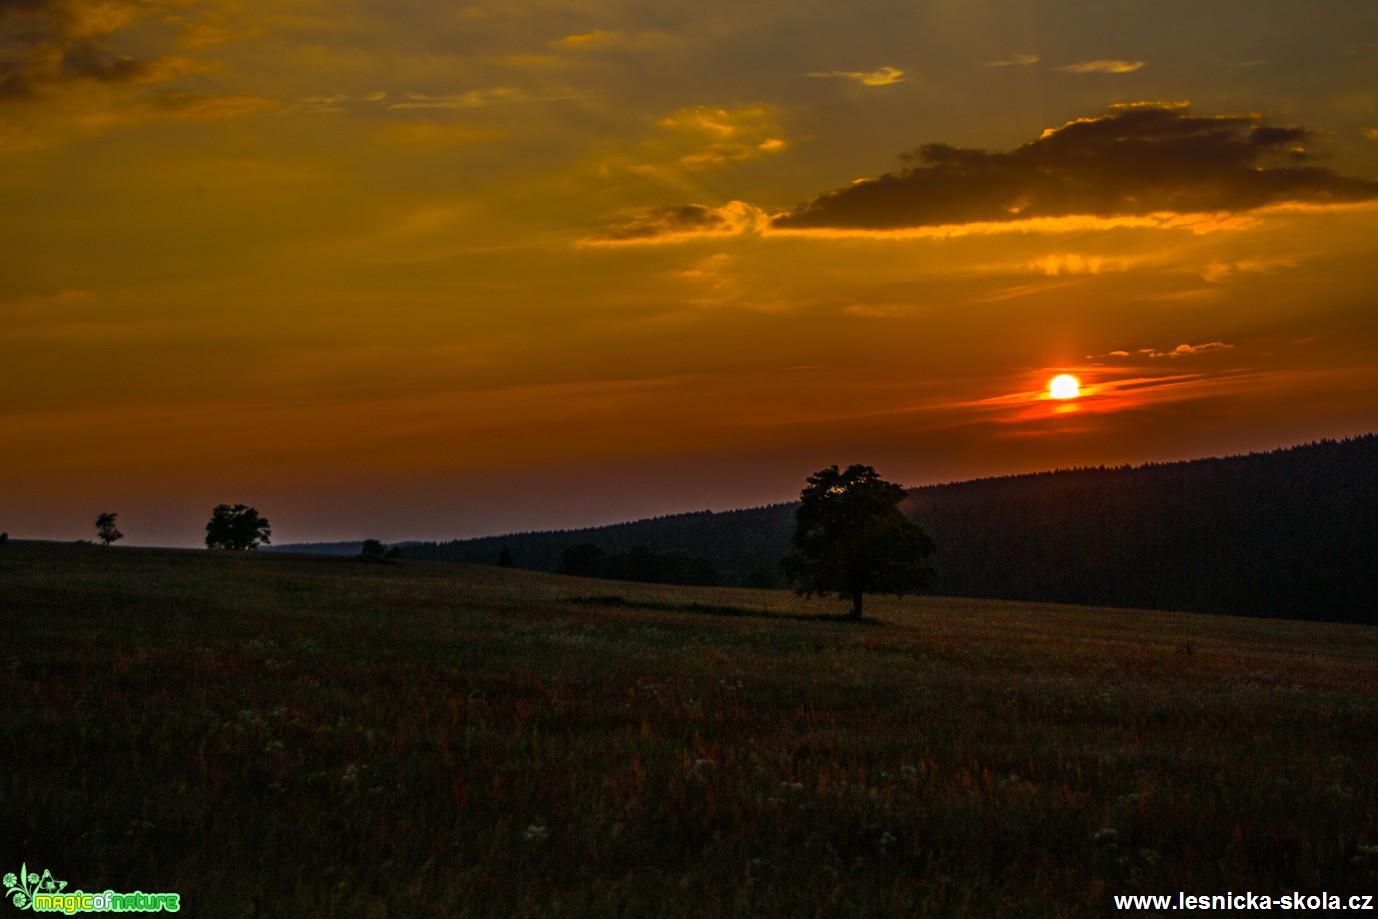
{"points": [[231, 526], [1288, 533]]}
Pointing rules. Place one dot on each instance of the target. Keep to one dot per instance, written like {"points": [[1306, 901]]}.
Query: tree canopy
{"points": [[236, 526], [851, 537], [105, 528]]}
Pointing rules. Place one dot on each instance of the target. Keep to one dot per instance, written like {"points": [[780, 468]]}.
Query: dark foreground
{"points": [[289, 736]]}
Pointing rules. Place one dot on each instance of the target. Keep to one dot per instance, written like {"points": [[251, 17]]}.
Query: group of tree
{"points": [[231, 526], [745, 546], [1287, 533], [850, 538], [237, 527], [373, 550]]}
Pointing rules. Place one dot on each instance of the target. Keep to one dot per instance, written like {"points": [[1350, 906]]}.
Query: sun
{"points": [[1064, 386]]}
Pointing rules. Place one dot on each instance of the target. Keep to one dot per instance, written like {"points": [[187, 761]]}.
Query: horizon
{"points": [[434, 273], [200, 543]]}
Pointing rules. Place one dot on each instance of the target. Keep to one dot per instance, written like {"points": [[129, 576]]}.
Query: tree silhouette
{"points": [[237, 527], [851, 537], [105, 528]]}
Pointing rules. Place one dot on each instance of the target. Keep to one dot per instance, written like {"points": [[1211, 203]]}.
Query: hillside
{"points": [[1289, 533], [277, 735]]}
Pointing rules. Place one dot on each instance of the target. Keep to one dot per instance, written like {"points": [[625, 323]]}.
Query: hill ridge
{"points": [[1283, 532]]}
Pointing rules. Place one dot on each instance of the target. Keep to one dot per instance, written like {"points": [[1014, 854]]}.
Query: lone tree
{"points": [[105, 528], [236, 526], [851, 537]]}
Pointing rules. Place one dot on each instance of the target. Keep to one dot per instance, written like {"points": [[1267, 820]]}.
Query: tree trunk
{"points": [[856, 604]]}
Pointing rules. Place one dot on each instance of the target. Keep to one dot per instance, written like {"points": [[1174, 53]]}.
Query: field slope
{"points": [[294, 736]]}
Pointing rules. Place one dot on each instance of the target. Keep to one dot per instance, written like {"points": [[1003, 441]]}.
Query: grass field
{"points": [[290, 736]]}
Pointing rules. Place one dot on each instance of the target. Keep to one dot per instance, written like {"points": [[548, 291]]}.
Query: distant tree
{"points": [[372, 550], [583, 560], [4, 538], [505, 558], [105, 528], [236, 526], [638, 563], [851, 537], [677, 566]]}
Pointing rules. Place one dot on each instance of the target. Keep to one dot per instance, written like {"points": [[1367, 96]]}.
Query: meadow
{"points": [[271, 735]]}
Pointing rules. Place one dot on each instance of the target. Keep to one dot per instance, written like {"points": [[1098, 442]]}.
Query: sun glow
{"points": [[1064, 386]]}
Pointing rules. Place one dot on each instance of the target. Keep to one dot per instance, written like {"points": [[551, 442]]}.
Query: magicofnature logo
{"points": [[44, 893]]}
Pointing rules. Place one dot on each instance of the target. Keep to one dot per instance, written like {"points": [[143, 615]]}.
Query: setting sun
{"points": [[1064, 386], [470, 269]]}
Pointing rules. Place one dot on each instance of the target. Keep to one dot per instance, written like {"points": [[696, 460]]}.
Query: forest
{"points": [[1288, 533]]}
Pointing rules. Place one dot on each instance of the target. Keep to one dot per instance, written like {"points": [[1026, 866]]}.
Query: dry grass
{"points": [[278, 736]]}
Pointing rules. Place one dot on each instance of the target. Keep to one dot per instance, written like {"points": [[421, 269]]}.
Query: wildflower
{"points": [[535, 833]]}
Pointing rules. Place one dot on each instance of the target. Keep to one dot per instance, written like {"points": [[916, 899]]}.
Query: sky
{"points": [[417, 270]]}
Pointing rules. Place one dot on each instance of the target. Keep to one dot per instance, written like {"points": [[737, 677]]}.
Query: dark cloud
{"points": [[48, 43], [1136, 160], [683, 221], [677, 218]]}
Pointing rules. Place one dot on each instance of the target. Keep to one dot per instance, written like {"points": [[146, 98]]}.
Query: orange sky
{"points": [[413, 270]]}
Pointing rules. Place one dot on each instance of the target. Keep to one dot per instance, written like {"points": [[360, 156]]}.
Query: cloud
{"points": [[882, 77], [1150, 161], [1070, 263], [1019, 60], [1179, 351], [1101, 66], [680, 222], [47, 44], [595, 39], [1185, 350], [1223, 270], [199, 105], [474, 98], [714, 137]]}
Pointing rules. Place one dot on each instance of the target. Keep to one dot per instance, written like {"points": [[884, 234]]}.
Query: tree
{"points": [[505, 558], [851, 537], [236, 526], [105, 528], [372, 550]]}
